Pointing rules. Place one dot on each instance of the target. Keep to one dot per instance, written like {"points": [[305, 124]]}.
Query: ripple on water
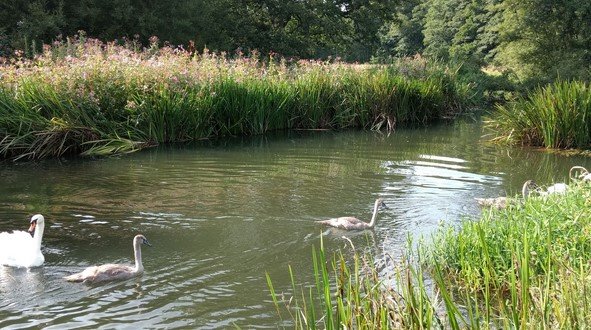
{"points": [[223, 215]]}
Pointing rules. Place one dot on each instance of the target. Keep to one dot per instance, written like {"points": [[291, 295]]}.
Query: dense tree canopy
{"points": [[540, 39], [312, 28]]}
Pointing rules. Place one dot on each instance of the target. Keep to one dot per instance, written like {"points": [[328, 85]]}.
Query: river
{"points": [[221, 214]]}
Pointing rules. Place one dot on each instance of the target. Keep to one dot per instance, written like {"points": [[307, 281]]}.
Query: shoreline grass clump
{"points": [[87, 97], [526, 266], [351, 294], [555, 116]]}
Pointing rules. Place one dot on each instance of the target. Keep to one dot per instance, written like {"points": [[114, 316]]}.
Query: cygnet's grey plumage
{"points": [[502, 202], [112, 272], [352, 223]]}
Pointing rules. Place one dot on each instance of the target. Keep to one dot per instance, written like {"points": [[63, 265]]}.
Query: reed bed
{"points": [[526, 266], [86, 97], [555, 116]]}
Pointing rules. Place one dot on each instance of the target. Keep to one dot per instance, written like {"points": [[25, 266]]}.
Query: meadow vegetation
{"points": [[86, 97], [526, 266]]}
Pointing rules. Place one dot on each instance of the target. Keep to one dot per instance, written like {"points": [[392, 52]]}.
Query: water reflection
{"points": [[221, 214]]}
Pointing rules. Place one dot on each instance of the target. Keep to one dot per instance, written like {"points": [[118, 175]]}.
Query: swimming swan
{"points": [[21, 248], [352, 223], [503, 202], [111, 272]]}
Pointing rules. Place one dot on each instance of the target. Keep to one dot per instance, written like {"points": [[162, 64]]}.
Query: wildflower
{"points": [[153, 41], [131, 105]]}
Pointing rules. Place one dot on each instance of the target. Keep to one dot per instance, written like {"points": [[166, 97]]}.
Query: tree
{"points": [[27, 23], [403, 35], [545, 39]]}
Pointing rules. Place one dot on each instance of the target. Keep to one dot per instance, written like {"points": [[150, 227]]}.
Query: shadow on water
{"points": [[220, 214]]}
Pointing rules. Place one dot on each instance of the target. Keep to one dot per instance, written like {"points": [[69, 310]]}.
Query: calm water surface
{"points": [[221, 214]]}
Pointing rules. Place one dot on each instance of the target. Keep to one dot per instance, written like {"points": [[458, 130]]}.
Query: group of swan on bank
{"points": [[530, 187], [23, 249]]}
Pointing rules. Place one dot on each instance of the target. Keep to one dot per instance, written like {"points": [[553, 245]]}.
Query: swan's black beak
{"points": [[146, 242], [32, 228], [384, 206]]}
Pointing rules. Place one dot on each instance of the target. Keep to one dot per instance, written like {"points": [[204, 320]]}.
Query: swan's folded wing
{"points": [[18, 249], [15, 240]]}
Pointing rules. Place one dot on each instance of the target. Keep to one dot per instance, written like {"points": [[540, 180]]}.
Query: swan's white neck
{"points": [[137, 249], [375, 215], [38, 234]]}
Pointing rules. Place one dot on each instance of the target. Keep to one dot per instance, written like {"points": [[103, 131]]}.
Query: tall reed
{"points": [[554, 116], [347, 294], [523, 267], [84, 96]]}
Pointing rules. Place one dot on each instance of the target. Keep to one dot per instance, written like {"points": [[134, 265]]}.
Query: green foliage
{"points": [[27, 23], [85, 97], [555, 116], [460, 30], [404, 35], [535, 41], [525, 266], [304, 29], [346, 295], [544, 40]]}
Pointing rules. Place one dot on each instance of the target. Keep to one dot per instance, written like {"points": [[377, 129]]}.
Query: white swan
{"points": [[111, 272], [557, 188], [503, 202], [21, 248], [352, 223]]}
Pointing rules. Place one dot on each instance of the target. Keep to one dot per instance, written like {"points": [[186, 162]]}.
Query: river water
{"points": [[222, 214]]}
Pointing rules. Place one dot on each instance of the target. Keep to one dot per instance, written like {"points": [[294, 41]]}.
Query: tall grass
{"points": [[523, 267], [86, 97], [554, 116], [349, 294]]}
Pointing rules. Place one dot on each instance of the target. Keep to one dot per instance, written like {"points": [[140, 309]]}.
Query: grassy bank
{"points": [[86, 97], [526, 266], [523, 267], [555, 116]]}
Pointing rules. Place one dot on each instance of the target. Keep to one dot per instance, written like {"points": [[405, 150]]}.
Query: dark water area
{"points": [[222, 214]]}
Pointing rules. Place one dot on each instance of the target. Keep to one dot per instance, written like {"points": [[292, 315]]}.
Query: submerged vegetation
{"points": [[525, 266], [555, 116], [87, 97]]}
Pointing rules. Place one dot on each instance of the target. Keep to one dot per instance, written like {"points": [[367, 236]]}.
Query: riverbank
{"points": [[556, 116], [524, 266], [90, 98]]}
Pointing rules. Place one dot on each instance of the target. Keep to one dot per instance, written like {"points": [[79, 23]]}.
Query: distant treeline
{"points": [[535, 39]]}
